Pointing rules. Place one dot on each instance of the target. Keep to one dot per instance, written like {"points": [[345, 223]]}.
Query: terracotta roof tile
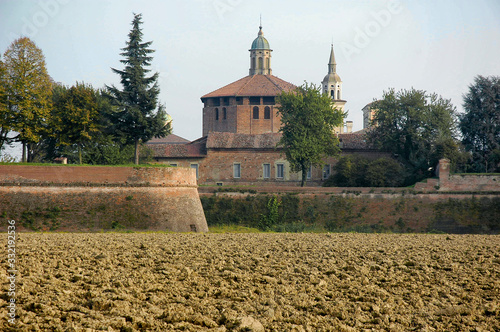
{"points": [[170, 139], [222, 140], [355, 141], [218, 140], [195, 149], [254, 85]]}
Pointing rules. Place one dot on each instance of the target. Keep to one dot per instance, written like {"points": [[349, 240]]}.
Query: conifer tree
{"points": [[480, 123], [29, 91], [139, 116]]}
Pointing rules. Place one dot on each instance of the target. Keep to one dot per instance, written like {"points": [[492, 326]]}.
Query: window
{"points": [[216, 101], [224, 113], [267, 113], [266, 169], [255, 112], [309, 172], [268, 63], [326, 172], [173, 164], [226, 101], [216, 114], [195, 166], [236, 171], [254, 100], [332, 93], [280, 171], [253, 63], [261, 64], [268, 100], [239, 100], [338, 94]]}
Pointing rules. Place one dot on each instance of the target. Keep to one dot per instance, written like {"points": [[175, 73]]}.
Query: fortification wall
{"points": [[91, 198]]}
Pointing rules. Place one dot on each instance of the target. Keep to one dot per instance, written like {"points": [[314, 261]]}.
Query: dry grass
{"points": [[276, 282]]}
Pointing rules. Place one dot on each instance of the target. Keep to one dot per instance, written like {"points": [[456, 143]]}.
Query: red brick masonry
{"points": [[93, 198], [159, 176]]}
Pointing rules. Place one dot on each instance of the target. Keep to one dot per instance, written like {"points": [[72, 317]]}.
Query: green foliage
{"points": [[480, 124], [467, 215], [272, 217], [138, 116], [356, 171], [308, 121], [29, 88], [5, 114], [417, 127], [116, 225], [75, 115], [32, 218]]}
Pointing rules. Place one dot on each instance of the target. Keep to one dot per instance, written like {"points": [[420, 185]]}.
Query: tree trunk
{"points": [[24, 153], [304, 176], [136, 154], [80, 154]]}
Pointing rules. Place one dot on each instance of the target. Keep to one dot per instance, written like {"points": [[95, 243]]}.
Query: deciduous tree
{"points": [[29, 89], [75, 116], [480, 124], [5, 115], [139, 116], [414, 126], [308, 121]]}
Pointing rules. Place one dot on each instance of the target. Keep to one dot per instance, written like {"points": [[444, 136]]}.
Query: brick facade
{"points": [[97, 198], [253, 153]]}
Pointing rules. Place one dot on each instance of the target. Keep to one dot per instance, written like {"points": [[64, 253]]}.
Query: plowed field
{"points": [[255, 282]]}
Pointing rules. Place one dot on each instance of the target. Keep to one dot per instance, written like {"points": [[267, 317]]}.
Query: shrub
{"points": [[357, 171]]}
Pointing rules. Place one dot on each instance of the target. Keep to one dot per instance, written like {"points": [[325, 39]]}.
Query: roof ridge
{"points": [[244, 85], [222, 87], [270, 80]]}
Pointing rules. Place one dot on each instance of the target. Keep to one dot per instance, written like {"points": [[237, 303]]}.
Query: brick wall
{"points": [[95, 198], [459, 182], [239, 118], [162, 176], [218, 166]]}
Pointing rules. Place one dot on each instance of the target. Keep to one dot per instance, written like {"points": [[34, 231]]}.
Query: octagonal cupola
{"points": [[260, 55]]}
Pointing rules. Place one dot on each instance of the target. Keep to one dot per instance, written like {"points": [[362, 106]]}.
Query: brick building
{"points": [[240, 129]]}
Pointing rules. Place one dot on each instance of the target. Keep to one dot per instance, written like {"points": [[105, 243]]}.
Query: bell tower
{"points": [[332, 84], [260, 56]]}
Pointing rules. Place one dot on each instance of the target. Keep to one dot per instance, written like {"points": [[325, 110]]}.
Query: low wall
{"points": [[88, 198], [360, 212], [466, 182]]}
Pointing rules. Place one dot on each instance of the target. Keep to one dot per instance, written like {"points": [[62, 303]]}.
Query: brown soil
{"points": [[256, 282]]}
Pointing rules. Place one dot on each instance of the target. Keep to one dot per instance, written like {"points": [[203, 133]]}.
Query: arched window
{"points": [[338, 94], [332, 93], [255, 112], [267, 113], [224, 114], [253, 63], [216, 114], [267, 63], [261, 64]]}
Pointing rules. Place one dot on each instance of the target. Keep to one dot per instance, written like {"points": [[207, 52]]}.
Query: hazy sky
{"points": [[202, 45]]}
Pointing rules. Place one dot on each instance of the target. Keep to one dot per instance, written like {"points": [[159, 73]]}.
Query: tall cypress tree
{"points": [[139, 116]]}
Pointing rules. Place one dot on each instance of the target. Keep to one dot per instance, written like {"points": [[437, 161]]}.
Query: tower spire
{"points": [[332, 64]]}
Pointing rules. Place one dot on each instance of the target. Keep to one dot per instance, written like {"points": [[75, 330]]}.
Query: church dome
{"points": [[260, 43], [332, 77]]}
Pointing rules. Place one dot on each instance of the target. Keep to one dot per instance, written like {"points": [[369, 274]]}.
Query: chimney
{"points": [[348, 124]]}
